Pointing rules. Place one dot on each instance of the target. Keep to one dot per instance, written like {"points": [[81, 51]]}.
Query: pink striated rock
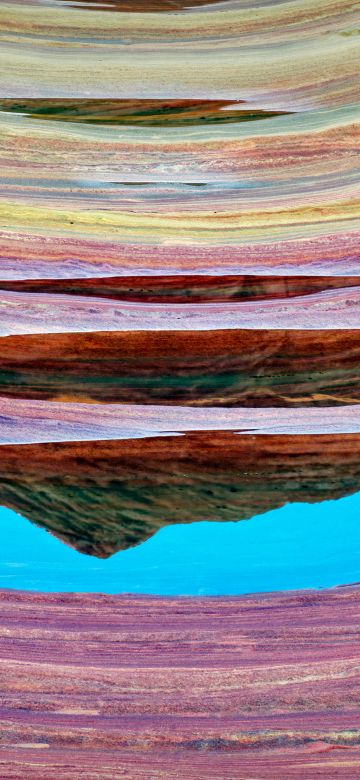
{"points": [[141, 687]]}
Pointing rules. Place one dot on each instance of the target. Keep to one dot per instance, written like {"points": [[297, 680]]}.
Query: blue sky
{"points": [[297, 546]]}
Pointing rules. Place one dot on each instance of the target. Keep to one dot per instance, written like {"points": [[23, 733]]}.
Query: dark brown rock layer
{"points": [[185, 288], [264, 368]]}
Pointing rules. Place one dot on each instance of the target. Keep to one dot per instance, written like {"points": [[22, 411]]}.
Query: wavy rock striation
{"points": [[179, 341], [294, 55], [201, 191], [180, 298], [206, 688]]}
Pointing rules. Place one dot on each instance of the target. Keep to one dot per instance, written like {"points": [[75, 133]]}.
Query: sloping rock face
{"points": [[160, 358], [177, 253], [101, 497]]}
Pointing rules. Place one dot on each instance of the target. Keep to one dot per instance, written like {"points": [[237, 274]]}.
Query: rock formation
{"points": [[100, 687], [101, 497]]}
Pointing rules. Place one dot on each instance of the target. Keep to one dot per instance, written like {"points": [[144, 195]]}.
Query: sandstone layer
{"points": [[99, 687], [228, 368]]}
